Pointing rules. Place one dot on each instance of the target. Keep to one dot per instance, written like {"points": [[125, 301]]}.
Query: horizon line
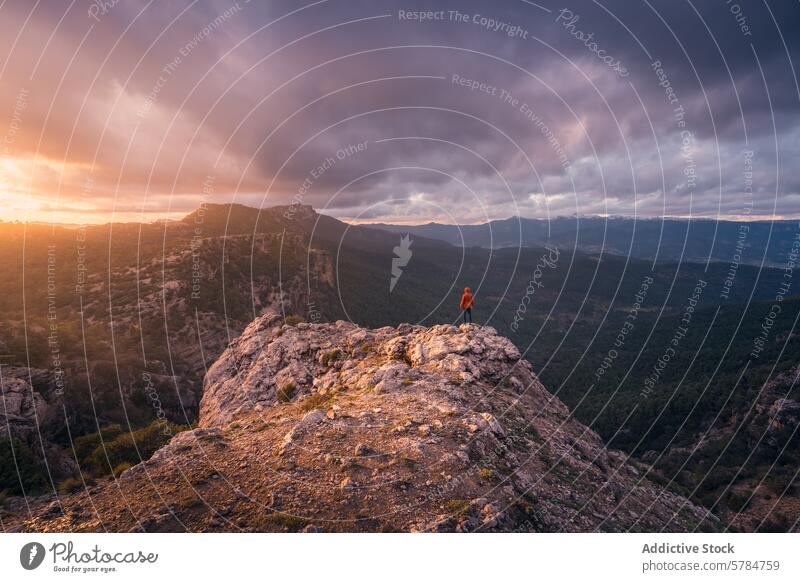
{"points": [[347, 220]]}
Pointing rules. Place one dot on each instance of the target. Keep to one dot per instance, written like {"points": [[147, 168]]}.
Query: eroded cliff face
{"points": [[332, 427]]}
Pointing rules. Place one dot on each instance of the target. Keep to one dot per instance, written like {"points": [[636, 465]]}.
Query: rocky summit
{"points": [[333, 427]]}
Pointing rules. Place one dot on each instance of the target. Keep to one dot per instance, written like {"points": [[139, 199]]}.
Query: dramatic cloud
{"points": [[399, 111]]}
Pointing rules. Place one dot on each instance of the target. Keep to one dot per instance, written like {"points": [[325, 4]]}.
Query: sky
{"points": [[394, 111]]}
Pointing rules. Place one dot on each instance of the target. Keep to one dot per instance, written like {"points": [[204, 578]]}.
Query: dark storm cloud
{"points": [[567, 113]]}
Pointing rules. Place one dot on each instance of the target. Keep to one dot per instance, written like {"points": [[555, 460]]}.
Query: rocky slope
{"points": [[332, 427], [767, 497]]}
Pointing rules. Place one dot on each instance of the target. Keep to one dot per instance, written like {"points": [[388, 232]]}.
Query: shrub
{"points": [[193, 502], [293, 320], [84, 445], [533, 433], [331, 356], [738, 502], [778, 523], [485, 473], [780, 481], [291, 522], [70, 485], [20, 471], [122, 467], [314, 401], [457, 507], [286, 392], [127, 447]]}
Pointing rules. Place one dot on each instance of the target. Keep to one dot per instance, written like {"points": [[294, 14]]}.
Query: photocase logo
{"points": [[31, 555], [402, 256]]}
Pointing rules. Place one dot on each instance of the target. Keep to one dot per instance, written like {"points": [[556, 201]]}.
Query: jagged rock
{"points": [[362, 450], [461, 447], [25, 412], [31, 410]]}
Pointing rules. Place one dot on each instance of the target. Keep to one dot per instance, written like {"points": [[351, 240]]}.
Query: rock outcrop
{"points": [[332, 427], [25, 412], [31, 411]]}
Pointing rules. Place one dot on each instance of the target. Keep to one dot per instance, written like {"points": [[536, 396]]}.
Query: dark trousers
{"points": [[468, 311]]}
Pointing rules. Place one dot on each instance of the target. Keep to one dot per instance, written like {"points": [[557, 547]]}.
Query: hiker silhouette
{"points": [[467, 302]]}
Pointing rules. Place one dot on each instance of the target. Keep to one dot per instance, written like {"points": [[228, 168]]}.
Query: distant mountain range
{"points": [[696, 240]]}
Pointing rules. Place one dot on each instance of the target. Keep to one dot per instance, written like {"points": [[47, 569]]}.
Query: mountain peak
{"points": [[233, 219], [327, 359]]}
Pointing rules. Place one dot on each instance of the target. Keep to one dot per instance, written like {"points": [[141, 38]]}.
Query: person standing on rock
{"points": [[467, 302]]}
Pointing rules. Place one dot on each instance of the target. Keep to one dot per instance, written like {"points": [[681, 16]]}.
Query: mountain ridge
{"points": [[669, 239]]}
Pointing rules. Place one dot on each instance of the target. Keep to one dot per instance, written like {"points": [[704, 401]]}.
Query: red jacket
{"points": [[467, 300]]}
